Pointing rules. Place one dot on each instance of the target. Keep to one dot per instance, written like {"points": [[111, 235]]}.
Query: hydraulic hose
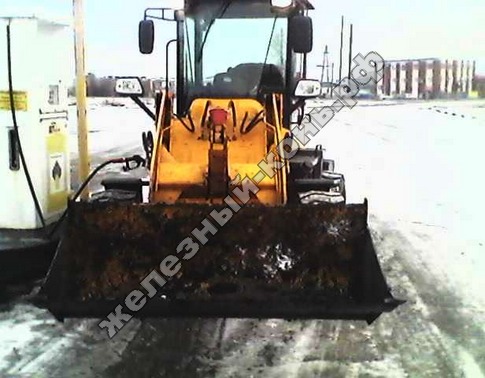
{"points": [[38, 208], [136, 158]]}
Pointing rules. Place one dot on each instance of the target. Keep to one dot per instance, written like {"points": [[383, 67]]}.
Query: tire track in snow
{"points": [[272, 343], [421, 342]]}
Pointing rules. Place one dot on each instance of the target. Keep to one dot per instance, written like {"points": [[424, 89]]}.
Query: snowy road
{"points": [[420, 166]]}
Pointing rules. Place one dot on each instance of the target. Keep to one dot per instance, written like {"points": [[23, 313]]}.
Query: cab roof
{"points": [[302, 4]]}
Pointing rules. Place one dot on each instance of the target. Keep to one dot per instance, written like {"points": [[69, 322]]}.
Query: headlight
{"points": [[282, 3], [308, 88], [129, 86]]}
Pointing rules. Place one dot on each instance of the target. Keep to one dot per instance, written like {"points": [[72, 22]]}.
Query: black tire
{"points": [[343, 189]]}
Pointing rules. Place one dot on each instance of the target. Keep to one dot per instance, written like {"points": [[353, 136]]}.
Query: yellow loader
{"points": [[239, 218]]}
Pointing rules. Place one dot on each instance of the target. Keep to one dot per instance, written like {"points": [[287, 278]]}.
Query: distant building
{"points": [[479, 85], [427, 78]]}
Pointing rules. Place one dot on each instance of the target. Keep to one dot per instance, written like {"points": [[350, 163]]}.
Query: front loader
{"points": [[238, 219]]}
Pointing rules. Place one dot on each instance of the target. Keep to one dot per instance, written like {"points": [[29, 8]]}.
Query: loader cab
{"points": [[237, 49]]}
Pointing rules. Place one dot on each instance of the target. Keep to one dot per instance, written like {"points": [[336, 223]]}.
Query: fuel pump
{"points": [[35, 57]]}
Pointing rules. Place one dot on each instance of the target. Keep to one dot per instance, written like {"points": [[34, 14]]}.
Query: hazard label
{"points": [[20, 101], [57, 175]]}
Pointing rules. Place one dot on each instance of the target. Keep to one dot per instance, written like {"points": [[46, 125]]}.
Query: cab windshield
{"points": [[234, 51]]}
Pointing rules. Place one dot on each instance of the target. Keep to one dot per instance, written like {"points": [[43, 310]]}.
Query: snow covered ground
{"points": [[114, 125], [420, 166], [115, 128]]}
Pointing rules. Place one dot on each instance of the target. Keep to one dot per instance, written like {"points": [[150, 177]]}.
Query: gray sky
{"points": [[396, 29]]}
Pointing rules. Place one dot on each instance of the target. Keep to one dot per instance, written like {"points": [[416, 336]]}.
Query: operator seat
{"points": [[245, 78]]}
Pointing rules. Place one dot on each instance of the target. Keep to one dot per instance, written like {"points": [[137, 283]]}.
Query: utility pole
{"points": [[351, 43], [81, 92], [474, 74], [341, 51], [325, 66], [332, 80], [322, 66]]}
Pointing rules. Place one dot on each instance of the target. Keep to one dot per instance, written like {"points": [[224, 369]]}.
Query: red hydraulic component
{"points": [[218, 116]]}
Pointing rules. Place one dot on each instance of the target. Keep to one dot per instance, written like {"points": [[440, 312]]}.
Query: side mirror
{"points": [[146, 36], [129, 86], [308, 89], [301, 34]]}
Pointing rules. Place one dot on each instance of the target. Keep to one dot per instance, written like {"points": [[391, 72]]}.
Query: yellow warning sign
{"points": [[20, 101], [58, 155], [56, 172]]}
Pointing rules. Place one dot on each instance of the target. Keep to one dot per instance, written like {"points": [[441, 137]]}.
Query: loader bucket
{"points": [[313, 262]]}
